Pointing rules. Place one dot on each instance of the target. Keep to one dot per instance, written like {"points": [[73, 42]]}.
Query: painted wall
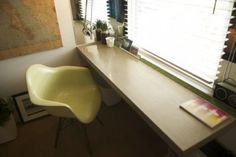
{"points": [[12, 71], [229, 138], [232, 73]]}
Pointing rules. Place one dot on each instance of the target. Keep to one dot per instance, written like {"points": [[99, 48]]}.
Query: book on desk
{"points": [[205, 112]]}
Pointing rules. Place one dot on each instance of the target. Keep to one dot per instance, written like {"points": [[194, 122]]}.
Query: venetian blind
{"points": [[189, 34]]}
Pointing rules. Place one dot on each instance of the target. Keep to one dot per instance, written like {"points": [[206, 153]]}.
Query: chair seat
{"points": [[83, 103], [66, 91]]}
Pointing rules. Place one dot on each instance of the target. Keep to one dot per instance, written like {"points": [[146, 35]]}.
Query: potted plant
{"points": [[98, 26], [8, 130], [104, 32]]}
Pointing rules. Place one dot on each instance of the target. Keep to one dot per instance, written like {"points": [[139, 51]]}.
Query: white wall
{"points": [[12, 71], [232, 73], [229, 138]]}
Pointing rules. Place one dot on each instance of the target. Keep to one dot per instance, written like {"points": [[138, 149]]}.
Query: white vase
{"points": [[8, 131]]}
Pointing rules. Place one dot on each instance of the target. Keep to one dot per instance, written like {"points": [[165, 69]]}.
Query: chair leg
{"points": [[59, 127], [87, 138], [100, 121]]}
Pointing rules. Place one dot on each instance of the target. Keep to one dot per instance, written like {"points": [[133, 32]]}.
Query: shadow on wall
{"points": [[13, 70]]}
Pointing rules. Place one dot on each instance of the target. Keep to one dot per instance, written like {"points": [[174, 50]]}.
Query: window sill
{"points": [[188, 82]]}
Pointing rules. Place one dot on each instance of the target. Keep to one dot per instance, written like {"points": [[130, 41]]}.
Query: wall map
{"points": [[27, 26]]}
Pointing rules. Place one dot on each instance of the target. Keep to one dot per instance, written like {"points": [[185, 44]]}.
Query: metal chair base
{"points": [[84, 127]]}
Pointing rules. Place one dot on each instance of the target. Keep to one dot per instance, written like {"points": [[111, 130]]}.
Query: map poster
{"points": [[27, 26]]}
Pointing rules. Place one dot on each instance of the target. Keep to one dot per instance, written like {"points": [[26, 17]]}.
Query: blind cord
{"points": [[214, 8]]}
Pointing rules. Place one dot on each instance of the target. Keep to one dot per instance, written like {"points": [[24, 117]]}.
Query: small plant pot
{"points": [[98, 35], [103, 37]]}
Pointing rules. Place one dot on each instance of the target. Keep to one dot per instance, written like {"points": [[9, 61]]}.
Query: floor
{"points": [[124, 134]]}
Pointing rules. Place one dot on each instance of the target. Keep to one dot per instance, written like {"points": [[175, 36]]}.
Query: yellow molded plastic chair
{"points": [[66, 91]]}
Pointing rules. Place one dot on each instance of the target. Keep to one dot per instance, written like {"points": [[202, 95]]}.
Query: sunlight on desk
{"points": [[153, 96]]}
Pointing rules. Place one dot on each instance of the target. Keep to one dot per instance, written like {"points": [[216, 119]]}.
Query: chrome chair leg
{"points": [[59, 127], [84, 126], [100, 121]]}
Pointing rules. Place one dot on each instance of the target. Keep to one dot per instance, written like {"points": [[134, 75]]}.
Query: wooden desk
{"points": [[155, 97]]}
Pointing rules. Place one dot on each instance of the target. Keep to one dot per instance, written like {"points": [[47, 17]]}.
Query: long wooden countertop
{"points": [[154, 96]]}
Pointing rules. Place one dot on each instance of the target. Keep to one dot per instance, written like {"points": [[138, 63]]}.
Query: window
{"points": [[98, 7], [188, 34]]}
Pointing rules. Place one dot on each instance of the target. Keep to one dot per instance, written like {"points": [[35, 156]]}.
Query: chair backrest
{"points": [[38, 78]]}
